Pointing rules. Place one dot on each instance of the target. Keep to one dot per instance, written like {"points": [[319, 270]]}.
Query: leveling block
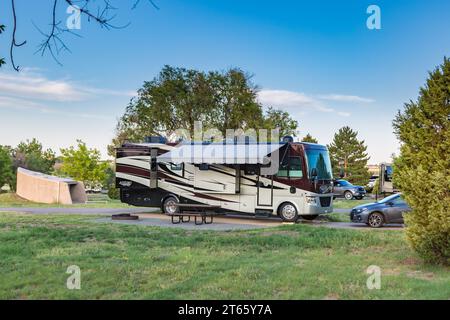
{"points": [[124, 216]]}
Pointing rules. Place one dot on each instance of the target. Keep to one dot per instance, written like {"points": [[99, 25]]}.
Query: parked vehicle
{"points": [[388, 210], [372, 181], [343, 188], [386, 185], [234, 176]]}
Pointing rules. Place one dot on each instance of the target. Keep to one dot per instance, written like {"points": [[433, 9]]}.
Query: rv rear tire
{"points": [[169, 205], [288, 212]]}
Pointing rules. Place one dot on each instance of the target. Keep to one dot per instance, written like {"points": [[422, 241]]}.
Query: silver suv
{"points": [[343, 188]]}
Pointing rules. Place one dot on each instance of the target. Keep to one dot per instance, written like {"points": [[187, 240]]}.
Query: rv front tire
{"points": [[288, 212], [169, 205]]}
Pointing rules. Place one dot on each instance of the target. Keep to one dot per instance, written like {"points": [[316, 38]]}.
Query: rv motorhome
{"points": [[288, 179]]}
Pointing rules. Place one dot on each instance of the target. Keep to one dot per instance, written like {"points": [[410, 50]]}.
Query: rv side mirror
{"points": [[314, 173]]}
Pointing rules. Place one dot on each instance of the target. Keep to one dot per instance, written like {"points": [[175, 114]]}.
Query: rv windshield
{"points": [[320, 160]]}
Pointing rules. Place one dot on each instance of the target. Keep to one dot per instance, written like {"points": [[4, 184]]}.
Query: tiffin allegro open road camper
{"points": [[289, 179]]}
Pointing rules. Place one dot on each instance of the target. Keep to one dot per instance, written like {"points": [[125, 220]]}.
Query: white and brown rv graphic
{"points": [[289, 179]]}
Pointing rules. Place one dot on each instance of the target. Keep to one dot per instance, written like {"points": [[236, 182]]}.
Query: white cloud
{"points": [[345, 98], [291, 100], [28, 84], [22, 104], [344, 114]]}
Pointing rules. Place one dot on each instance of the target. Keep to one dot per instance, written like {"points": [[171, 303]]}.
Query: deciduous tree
{"points": [[83, 164], [6, 168]]}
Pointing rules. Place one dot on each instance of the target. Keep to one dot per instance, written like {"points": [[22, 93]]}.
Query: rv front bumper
{"points": [[318, 205]]}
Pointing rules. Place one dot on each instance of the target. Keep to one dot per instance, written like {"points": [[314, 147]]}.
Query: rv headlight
{"points": [[125, 183], [311, 200]]}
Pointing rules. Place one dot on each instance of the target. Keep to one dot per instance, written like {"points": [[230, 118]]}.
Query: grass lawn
{"points": [[134, 262], [10, 200]]}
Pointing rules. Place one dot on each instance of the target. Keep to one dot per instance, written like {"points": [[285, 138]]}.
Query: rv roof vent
{"points": [[155, 139], [287, 139]]}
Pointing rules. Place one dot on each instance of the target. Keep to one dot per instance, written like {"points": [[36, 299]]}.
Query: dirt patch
{"points": [[331, 296], [421, 275], [411, 261]]}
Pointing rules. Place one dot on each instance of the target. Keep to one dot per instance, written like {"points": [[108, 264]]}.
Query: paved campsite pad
{"points": [[162, 222]]}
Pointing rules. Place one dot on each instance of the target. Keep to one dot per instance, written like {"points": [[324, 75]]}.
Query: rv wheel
{"points": [[169, 205], [288, 212]]}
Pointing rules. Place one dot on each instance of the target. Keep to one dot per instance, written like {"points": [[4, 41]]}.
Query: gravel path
{"points": [[152, 217]]}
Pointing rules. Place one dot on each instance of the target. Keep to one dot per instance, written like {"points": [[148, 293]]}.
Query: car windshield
{"points": [[390, 198], [320, 160], [344, 183]]}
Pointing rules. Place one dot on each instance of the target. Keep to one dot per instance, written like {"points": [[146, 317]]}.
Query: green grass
{"points": [[11, 200], [134, 262], [348, 204]]}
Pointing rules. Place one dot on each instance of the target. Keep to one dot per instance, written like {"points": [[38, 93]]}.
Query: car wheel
{"points": [[309, 216], [359, 198], [348, 195], [376, 220], [288, 212], [169, 205]]}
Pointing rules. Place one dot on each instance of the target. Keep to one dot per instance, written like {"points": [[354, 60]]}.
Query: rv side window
{"points": [[291, 169], [176, 166], [295, 167]]}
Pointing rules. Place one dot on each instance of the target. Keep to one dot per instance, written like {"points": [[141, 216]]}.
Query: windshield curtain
{"points": [[320, 160]]}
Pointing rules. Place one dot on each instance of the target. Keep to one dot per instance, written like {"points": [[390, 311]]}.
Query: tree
{"points": [[234, 101], [422, 170], [309, 138], [282, 120], [6, 168], [179, 97], [348, 151], [2, 29], [83, 164], [53, 43], [32, 156]]}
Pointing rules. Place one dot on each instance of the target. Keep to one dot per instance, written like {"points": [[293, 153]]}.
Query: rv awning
{"points": [[218, 153]]}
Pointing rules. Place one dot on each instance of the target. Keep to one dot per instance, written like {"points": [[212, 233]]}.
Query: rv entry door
{"points": [[264, 191]]}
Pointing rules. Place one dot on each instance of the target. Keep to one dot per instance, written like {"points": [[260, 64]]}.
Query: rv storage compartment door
{"points": [[153, 169], [216, 179]]}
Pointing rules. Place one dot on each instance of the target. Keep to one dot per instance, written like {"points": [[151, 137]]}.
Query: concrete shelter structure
{"points": [[42, 188]]}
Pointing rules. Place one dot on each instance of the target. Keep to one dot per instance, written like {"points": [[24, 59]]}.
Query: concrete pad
{"points": [[163, 221]]}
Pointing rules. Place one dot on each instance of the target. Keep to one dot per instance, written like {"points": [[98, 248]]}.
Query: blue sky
{"points": [[315, 59]]}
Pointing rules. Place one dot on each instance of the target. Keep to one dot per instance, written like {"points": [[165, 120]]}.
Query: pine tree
{"points": [[422, 171], [348, 151], [309, 138]]}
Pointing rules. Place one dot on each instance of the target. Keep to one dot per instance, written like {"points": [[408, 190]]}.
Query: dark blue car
{"points": [[388, 210]]}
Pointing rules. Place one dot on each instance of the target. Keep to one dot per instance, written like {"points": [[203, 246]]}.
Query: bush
{"points": [[422, 171], [113, 192]]}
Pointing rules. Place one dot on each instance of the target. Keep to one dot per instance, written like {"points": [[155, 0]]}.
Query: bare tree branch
{"points": [[53, 42], [13, 40]]}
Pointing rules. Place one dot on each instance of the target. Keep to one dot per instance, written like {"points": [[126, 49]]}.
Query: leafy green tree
{"points": [[351, 153], [178, 97], [309, 138], [422, 170], [282, 120], [32, 156], [234, 101], [83, 164], [6, 168]]}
